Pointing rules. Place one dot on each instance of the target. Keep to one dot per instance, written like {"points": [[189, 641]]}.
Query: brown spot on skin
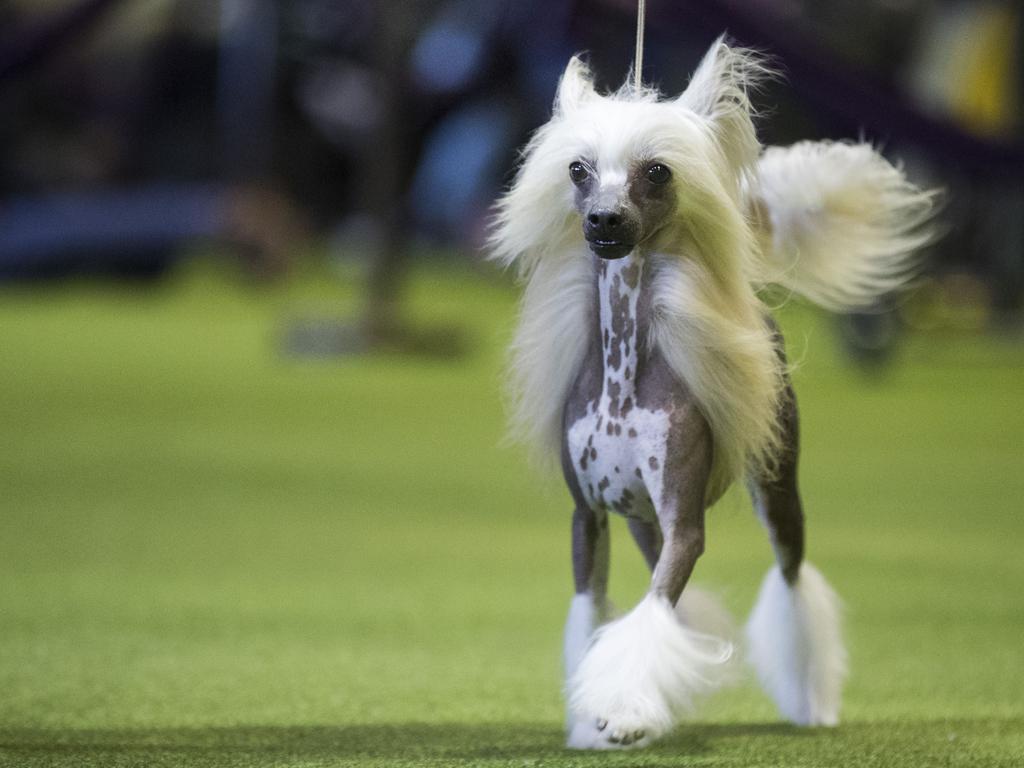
{"points": [[627, 405], [638, 473], [614, 358], [611, 427], [618, 429], [616, 470], [593, 454], [631, 275], [614, 389], [605, 482], [653, 462], [625, 503], [600, 421], [628, 373], [622, 323], [606, 339], [632, 432], [583, 460]]}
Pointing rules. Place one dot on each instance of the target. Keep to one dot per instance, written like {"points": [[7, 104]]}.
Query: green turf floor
{"points": [[213, 555]]}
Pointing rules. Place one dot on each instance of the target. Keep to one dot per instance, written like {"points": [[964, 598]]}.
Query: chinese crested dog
{"points": [[644, 360]]}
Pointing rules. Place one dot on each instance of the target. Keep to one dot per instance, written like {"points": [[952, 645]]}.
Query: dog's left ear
{"points": [[718, 92]]}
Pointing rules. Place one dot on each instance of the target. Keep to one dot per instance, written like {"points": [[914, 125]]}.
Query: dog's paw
{"points": [[604, 734], [621, 735], [640, 674]]}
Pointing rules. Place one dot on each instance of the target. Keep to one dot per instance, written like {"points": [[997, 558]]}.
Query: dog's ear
{"points": [[718, 92], [575, 87]]}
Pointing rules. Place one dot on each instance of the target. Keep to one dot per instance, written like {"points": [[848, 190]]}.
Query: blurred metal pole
{"points": [[385, 167], [245, 87], [387, 163]]}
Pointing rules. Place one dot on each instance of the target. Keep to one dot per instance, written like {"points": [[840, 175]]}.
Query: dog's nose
{"points": [[605, 221]]}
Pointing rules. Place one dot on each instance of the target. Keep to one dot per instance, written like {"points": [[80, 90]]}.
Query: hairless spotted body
{"points": [[636, 443], [645, 360]]}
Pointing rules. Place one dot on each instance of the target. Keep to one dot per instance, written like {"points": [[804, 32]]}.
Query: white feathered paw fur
{"points": [[795, 644], [643, 671]]}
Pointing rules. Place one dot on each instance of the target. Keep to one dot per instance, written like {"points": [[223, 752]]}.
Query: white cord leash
{"points": [[638, 61]]}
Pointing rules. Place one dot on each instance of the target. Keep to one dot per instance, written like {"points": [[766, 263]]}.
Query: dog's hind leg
{"points": [[794, 637], [648, 538], [777, 499]]}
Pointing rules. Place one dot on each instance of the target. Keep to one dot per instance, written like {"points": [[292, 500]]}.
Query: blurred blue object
{"points": [[51, 234], [458, 164], [447, 58]]}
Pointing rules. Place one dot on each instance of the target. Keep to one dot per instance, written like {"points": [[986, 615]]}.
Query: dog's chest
{"points": [[617, 447], [619, 461]]}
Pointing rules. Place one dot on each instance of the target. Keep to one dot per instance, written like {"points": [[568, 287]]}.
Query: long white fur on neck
{"points": [[643, 671], [796, 647], [713, 335], [550, 342]]}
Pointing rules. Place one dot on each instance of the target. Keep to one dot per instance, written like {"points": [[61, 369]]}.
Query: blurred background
{"points": [[252, 362], [377, 133]]}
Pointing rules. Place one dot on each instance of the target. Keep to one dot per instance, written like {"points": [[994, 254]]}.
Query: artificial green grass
{"points": [[215, 555]]}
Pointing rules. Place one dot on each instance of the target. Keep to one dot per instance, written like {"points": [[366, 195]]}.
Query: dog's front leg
{"points": [[590, 551], [681, 513], [689, 452], [643, 670]]}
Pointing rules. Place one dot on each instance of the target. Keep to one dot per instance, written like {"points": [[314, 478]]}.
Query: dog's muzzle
{"points": [[609, 233]]}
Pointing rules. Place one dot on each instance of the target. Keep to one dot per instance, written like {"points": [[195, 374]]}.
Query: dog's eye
{"points": [[578, 172], [658, 173]]}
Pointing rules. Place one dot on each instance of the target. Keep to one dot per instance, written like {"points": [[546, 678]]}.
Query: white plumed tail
{"points": [[796, 647], [642, 672], [839, 224]]}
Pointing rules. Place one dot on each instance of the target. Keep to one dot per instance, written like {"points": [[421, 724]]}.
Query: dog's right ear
{"points": [[575, 87]]}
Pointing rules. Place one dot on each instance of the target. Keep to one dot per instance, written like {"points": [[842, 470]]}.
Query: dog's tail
{"points": [[838, 223]]}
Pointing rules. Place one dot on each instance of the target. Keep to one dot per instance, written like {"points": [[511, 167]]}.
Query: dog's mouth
{"points": [[610, 249]]}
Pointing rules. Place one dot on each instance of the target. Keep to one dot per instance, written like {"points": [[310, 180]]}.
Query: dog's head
{"points": [[631, 168]]}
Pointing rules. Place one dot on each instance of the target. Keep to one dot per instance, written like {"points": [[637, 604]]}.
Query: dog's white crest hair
{"points": [[740, 222]]}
